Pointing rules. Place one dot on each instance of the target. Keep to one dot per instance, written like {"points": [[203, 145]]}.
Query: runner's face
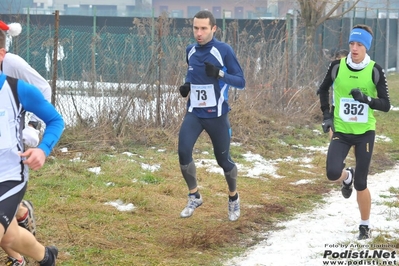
{"points": [[358, 52], [203, 32]]}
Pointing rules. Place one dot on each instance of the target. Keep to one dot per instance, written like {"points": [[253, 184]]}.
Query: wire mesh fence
{"points": [[124, 74]]}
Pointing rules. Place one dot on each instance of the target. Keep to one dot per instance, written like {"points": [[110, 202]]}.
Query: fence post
{"points": [[158, 99], [93, 52], [397, 47], [55, 58], [287, 49], [351, 19], [223, 27], [153, 31], [295, 44], [28, 35], [375, 37], [387, 41]]}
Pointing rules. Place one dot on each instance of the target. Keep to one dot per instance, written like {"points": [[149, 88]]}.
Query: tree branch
{"points": [[333, 9]]}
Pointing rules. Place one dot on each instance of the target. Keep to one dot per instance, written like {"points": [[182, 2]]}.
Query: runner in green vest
{"points": [[360, 87]]}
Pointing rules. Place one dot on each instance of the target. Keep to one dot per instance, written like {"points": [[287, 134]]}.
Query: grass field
{"points": [[71, 210]]}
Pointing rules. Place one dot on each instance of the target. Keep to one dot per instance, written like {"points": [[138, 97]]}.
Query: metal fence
{"points": [[114, 44], [142, 58]]}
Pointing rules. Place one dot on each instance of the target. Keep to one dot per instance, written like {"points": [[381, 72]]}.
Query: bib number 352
{"points": [[353, 111]]}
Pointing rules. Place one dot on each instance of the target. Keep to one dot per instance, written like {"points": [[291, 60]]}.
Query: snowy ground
{"points": [[325, 236], [332, 228]]}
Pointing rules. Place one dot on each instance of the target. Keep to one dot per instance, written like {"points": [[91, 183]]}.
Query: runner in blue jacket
{"points": [[212, 69]]}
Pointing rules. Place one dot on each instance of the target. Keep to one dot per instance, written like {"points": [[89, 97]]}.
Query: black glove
{"points": [[327, 122], [185, 89], [359, 96], [211, 70]]}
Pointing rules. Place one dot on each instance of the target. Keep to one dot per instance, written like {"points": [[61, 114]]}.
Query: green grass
{"points": [[70, 200]]}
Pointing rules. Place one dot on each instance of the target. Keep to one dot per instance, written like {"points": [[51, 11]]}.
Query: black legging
{"points": [[218, 130], [338, 150], [12, 193]]}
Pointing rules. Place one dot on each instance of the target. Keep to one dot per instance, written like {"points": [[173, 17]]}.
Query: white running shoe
{"points": [[234, 209], [192, 204]]}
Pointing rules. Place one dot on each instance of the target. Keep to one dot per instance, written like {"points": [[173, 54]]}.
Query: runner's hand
{"points": [[35, 158], [359, 96], [211, 70], [185, 89], [327, 122]]}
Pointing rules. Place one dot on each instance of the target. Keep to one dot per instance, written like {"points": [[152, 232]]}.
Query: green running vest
{"points": [[350, 116]]}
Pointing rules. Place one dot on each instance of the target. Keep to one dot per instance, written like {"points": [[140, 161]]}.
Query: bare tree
{"points": [[314, 12]]}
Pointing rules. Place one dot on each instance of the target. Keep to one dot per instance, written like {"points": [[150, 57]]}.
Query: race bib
{"points": [[202, 96], [353, 111], [5, 135]]}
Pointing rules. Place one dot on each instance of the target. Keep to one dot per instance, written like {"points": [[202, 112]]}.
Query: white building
{"points": [[91, 7]]}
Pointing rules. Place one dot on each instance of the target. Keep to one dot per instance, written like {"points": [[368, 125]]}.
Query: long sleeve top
{"points": [[382, 101], [12, 106], [209, 95]]}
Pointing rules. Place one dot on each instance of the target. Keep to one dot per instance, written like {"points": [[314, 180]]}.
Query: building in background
{"points": [[14, 6], [234, 9], [243, 9], [122, 8], [377, 9]]}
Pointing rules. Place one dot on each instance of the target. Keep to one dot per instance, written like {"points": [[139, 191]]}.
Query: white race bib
{"points": [[353, 111], [5, 135], [202, 96]]}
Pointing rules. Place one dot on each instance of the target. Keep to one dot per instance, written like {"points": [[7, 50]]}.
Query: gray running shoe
{"points": [[30, 222], [234, 209], [192, 204], [14, 262], [347, 189]]}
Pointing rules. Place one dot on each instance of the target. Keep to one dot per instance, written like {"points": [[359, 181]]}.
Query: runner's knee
{"points": [[360, 184], [333, 174]]}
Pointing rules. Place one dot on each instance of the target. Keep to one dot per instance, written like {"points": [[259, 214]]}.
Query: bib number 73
{"points": [[202, 95]]}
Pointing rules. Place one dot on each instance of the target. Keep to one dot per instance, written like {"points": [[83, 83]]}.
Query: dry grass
{"points": [[71, 213]]}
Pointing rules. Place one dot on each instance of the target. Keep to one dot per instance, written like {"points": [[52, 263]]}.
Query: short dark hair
{"points": [[206, 14], [364, 27]]}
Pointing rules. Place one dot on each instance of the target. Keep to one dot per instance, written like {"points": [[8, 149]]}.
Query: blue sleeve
{"points": [[234, 75], [33, 101]]}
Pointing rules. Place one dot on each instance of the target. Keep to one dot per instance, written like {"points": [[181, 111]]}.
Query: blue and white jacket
{"points": [[209, 95], [11, 124]]}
